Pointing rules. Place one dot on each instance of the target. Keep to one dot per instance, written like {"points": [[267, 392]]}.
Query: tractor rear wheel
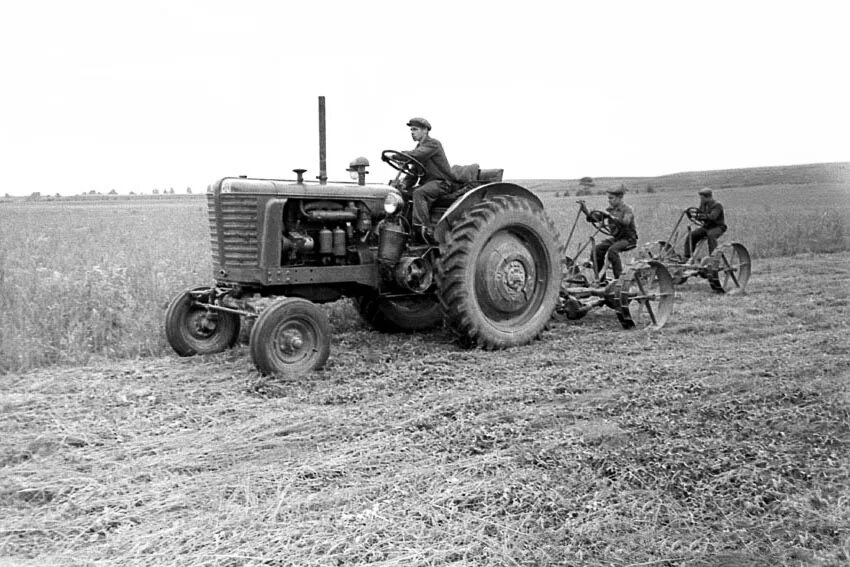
{"points": [[400, 314], [191, 328], [499, 273], [290, 337]]}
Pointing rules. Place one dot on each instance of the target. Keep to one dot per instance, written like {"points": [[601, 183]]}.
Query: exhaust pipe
{"points": [[323, 162]]}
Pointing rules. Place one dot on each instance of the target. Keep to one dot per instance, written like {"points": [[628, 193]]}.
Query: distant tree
{"points": [[113, 192], [35, 196], [586, 182], [155, 192], [171, 190], [92, 192], [8, 196], [565, 194], [132, 192], [189, 190], [650, 188], [58, 196]]}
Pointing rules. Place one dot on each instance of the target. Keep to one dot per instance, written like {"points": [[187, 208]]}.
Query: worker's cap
{"points": [[420, 122], [618, 191], [705, 191]]}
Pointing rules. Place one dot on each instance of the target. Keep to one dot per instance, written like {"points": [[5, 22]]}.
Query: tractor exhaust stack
{"points": [[323, 161]]}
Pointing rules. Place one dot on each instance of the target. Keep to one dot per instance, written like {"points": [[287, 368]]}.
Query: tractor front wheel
{"points": [[193, 328], [290, 337], [499, 273]]}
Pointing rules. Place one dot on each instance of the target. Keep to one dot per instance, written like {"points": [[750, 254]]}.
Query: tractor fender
{"points": [[477, 195]]}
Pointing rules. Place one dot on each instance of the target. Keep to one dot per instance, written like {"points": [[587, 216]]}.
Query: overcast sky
{"points": [[136, 96]]}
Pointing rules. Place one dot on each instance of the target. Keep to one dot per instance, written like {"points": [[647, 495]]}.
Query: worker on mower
{"points": [[624, 237], [710, 214]]}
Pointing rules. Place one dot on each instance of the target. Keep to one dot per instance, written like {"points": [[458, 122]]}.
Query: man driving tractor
{"points": [[437, 180]]}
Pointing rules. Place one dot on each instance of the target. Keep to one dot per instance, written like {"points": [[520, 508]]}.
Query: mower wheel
{"points": [[646, 296], [730, 268]]}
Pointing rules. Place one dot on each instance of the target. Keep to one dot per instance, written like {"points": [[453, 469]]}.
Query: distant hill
{"points": [[838, 172]]}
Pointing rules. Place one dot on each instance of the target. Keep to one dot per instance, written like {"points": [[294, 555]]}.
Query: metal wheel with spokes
{"points": [[646, 296], [731, 268], [290, 337], [661, 251]]}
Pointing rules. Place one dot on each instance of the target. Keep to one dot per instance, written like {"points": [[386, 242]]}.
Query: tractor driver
{"points": [[710, 214], [624, 238], [438, 179]]}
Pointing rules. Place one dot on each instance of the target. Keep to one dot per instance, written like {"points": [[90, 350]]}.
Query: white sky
{"points": [[145, 95]]}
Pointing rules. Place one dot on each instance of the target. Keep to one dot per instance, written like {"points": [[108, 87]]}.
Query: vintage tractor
{"points": [[642, 297], [727, 268], [279, 248]]}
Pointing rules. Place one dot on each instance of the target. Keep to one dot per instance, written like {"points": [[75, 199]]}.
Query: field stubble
{"points": [[723, 439]]}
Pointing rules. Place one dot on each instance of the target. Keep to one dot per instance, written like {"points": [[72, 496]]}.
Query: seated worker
{"points": [[438, 179], [624, 238], [713, 222]]}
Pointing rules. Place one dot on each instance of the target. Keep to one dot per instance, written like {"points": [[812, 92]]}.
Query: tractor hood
{"points": [[284, 188]]}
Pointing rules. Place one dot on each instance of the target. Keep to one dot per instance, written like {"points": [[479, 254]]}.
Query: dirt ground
{"points": [[722, 439]]}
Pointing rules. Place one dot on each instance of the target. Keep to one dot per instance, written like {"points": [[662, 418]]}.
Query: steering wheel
{"points": [[403, 163], [603, 222], [692, 214]]}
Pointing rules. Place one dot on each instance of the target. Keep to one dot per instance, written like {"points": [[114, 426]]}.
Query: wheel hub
{"points": [[202, 324], [290, 342], [509, 275]]}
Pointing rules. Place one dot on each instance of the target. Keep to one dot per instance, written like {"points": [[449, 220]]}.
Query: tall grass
{"points": [[81, 281], [84, 280], [770, 220]]}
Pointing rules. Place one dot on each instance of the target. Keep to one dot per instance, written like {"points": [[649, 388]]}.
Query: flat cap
{"points": [[419, 121], [617, 191], [705, 191]]}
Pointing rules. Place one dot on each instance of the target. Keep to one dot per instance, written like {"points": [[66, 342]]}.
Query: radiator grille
{"points": [[233, 233]]}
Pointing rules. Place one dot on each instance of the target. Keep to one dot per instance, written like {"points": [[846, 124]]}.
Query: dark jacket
{"points": [[430, 152], [626, 217], [712, 215]]}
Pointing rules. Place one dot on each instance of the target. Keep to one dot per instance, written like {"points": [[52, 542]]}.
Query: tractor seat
{"points": [[469, 177]]}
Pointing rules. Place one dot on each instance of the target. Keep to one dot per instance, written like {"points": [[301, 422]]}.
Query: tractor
{"points": [[491, 273]]}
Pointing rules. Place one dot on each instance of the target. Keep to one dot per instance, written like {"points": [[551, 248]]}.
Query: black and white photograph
{"points": [[424, 284]]}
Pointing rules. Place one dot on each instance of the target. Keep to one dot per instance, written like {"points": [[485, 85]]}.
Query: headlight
{"points": [[393, 202]]}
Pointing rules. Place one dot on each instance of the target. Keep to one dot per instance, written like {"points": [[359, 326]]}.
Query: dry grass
{"points": [[724, 439]]}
